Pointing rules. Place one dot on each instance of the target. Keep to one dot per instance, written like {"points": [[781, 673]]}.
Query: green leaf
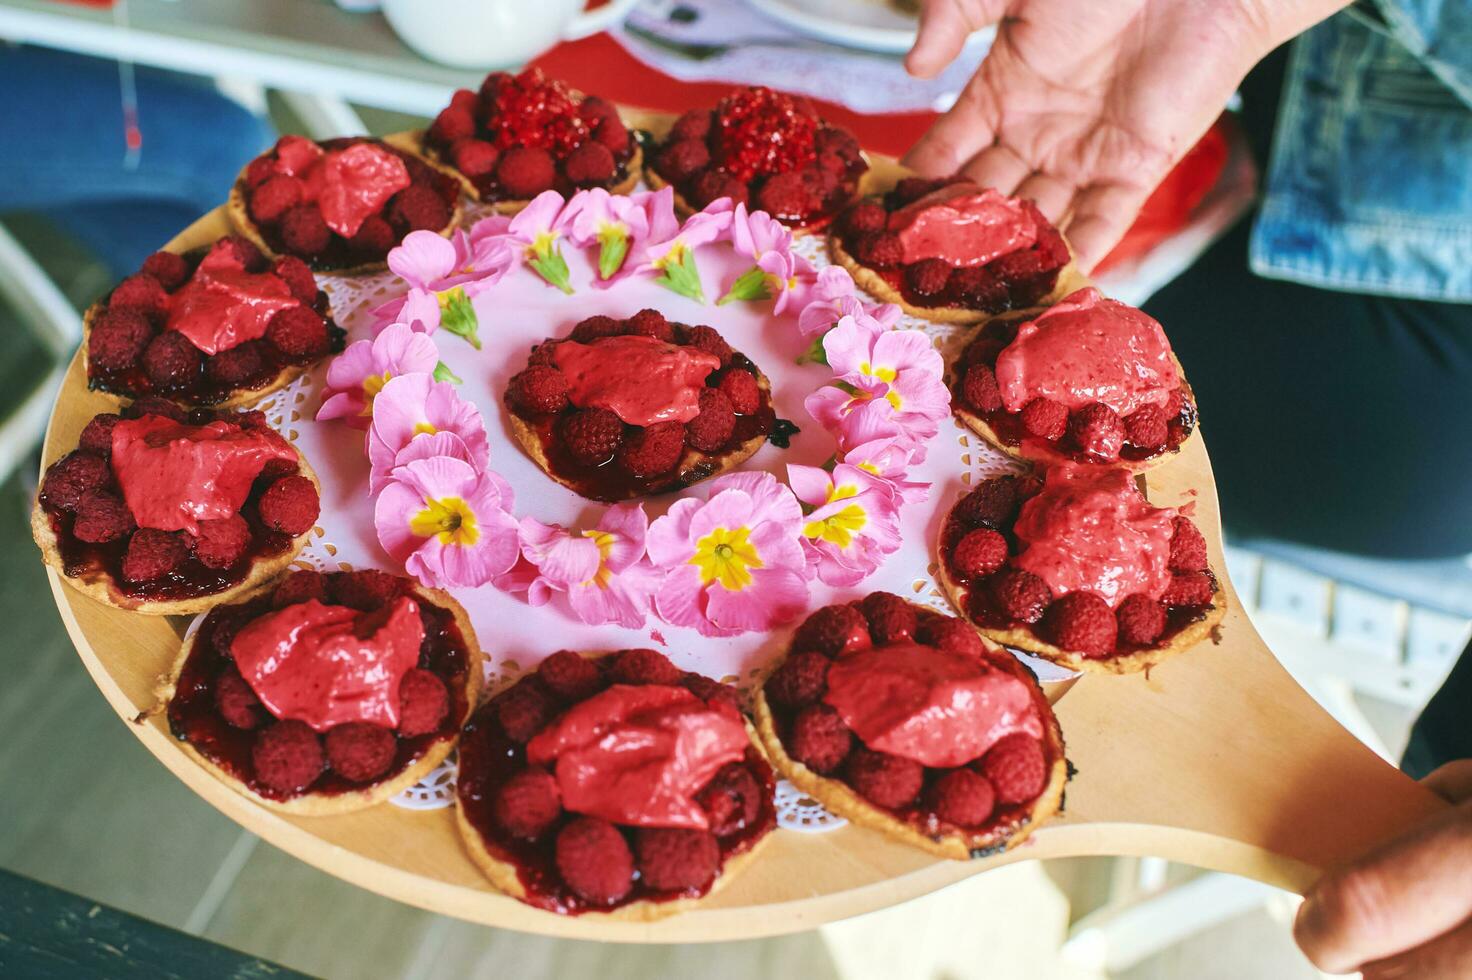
{"points": [[751, 285], [548, 263], [457, 315], [442, 372], [682, 276], [816, 353], [614, 249]]}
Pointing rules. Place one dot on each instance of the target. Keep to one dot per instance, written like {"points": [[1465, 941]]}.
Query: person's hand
{"points": [[1085, 105], [1404, 910]]}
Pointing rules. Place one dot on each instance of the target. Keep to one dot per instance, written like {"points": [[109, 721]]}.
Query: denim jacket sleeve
{"points": [[1438, 33]]}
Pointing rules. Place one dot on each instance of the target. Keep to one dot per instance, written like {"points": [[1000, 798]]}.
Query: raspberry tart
{"points": [[612, 783], [907, 721], [765, 149], [165, 513], [627, 408], [221, 326], [339, 205], [1091, 380], [525, 134], [328, 695], [1080, 570], [952, 252]]}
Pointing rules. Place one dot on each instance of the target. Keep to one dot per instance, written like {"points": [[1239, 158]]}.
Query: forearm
{"points": [[1279, 21]]}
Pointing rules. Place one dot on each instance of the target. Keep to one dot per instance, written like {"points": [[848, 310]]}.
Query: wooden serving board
{"points": [[1215, 759]]}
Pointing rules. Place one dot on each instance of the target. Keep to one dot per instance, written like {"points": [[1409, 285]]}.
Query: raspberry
{"points": [[713, 427], [423, 703], [523, 711], [865, 217], [290, 505], [1147, 428], [590, 165], [891, 619], [152, 554], [881, 250], [643, 666], [1016, 768], [653, 450], [303, 231], [287, 757], [532, 110], [1187, 546], [539, 389], [951, 635], [713, 184], [569, 676], [418, 208], [594, 327], [672, 859], [528, 804], [260, 170], [961, 797], [732, 800], [979, 288], [831, 139], [1021, 595], [96, 437], [543, 354], [789, 196], [833, 630], [298, 278], [885, 780], [154, 405], [992, 504], [595, 110], [492, 86], [1175, 402], [299, 587], [221, 543], [712, 691], [455, 122], [171, 361], [1141, 621], [1189, 589], [101, 517], [141, 294], [1050, 245], [1098, 430], [375, 236], [928, 278], [235, 367], [117, 340], [360, 752], [463, 98], [475, 158], [709, 340], [1045, 419], [980, 389], [761, 132], [650, 323], [594, 860], [274, 198], [988, 343], [243, 250], [591, 435], [169, 269], [741, 390], [256, 419], [979, 553], [912, 189], [820, 740], [680, 161], [364, 591], [525, 171], [236, 702], [801, 680], [693, 125], [1082, 622]]}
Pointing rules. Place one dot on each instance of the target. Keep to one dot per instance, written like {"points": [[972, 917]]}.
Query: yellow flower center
{"points": [[839, 529], [604, 541], [449, 296], [425, 429], [612, 229], [542, 244], [885, 374], [869, 467], [372, 385], [674, 256], [726, 557], [448, 517]]}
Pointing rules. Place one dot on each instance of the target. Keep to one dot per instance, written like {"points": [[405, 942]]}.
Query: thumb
{"points": [[944, 27]]}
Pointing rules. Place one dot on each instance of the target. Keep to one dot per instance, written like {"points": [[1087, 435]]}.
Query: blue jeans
{"points": [[63, 155]]}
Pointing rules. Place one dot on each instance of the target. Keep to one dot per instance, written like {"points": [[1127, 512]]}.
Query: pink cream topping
{"points": [[938, 708], [223, 306], [174, 475], [353, 183], [1085, 349], [638, 755], [1090, 529], [963, 225], [329, 665], [642, 380], [295, 155]]}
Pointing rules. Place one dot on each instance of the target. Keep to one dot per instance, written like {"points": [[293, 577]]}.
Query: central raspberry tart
{"points": [[1091, 380], [627, 408], [167, 514], [765, 149], [612, 783], [1081, 570], [341, 204], [329, 695], [908, 722]]}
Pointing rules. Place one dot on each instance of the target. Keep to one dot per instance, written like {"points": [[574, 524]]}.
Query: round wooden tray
{"points": [[1215, 758]]}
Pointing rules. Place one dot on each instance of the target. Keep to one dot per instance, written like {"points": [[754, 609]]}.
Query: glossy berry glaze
{"points": [[767, 150], [195, 718], [994, 505], [1020, 279], [208, 384], [611, 480], [489, 757], [983, 349], [787, 698]]}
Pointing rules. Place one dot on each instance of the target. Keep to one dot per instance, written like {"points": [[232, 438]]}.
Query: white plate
{"points": [[873, 25]]}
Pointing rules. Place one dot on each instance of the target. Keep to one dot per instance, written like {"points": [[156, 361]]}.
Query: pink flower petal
{"points": [[421, 258], [775, 596]]}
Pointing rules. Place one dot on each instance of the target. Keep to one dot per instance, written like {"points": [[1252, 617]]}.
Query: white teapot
{"points": [[495, 33]]}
